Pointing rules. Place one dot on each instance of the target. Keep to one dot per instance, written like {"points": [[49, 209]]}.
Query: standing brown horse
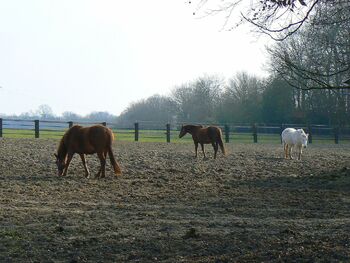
{"points": [[203, 136], [86, 140]]}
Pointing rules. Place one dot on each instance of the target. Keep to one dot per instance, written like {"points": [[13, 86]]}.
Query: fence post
{"points": [[255, 133], [168, 132], [227, 133], [70, 124], [104, 123], [36, 125], [136, 131], [0, 127], [310, 133], [336, 135]]}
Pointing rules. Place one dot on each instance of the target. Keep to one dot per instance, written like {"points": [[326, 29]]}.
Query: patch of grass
{"points": [[18, 133], [160, 136], [10, 233], [13, 241]]}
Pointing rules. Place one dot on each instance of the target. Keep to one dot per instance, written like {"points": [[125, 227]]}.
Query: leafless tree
{"points": [[241, 98], [277, 18], [196, 101], [318, 56]]}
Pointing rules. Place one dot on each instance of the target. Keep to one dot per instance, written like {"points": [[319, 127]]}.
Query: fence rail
{"points": [[148, 131]]}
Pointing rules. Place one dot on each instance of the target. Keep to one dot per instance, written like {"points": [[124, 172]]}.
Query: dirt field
{"points": [[249, 206]]}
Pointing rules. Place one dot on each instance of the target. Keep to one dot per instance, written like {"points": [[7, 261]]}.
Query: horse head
{"points": [[303, 137], [61, 164]]}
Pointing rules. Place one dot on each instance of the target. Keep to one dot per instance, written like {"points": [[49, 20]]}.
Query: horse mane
{"points": [[301, 131], [62, 149], [192, 126]]}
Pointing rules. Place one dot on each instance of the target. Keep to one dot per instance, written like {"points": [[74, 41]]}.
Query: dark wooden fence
{"points": [[153, 131]]}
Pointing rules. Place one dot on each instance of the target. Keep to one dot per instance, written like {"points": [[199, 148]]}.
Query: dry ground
{"points": [[249, 206]]}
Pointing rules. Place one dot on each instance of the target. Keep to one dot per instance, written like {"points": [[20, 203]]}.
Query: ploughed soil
{"points": [[251, 205]]}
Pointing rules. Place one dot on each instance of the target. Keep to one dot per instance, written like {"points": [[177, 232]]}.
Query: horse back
{"points": [[89, 140], [209, 134], [289, 135]]}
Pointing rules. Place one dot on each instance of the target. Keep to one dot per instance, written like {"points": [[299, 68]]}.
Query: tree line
{"points": [[308, 67], [244, 98]]}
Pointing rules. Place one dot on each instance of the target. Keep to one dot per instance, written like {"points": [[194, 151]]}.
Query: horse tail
{"points": [[114, 163], [221, 144]]}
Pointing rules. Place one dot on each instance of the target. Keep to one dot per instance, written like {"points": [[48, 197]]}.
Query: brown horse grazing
{"points": [[86, 140], [203, 136]]}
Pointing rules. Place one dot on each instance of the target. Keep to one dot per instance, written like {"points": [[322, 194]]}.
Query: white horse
{"points": [[292, 137]]}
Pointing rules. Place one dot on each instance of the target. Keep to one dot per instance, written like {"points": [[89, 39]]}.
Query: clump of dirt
{"points": [[251, 205]]}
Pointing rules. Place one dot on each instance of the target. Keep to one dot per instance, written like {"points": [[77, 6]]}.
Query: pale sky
{"points": [[101, 55]]}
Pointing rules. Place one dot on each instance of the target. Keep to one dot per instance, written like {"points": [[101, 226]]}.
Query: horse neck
{"points": [[192, 129], [62, 150]]}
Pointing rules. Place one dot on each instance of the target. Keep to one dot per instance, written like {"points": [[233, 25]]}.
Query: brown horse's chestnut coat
{"points": [[86, 140], [203, 136]]}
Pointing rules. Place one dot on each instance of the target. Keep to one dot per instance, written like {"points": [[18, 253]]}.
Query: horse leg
{"points": [[104, 165], [286, 151], [69, 158], [300, 152], [202, 145], [290, 152], [101, 172], [196, 147], [87, 173], [216, 147]]}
